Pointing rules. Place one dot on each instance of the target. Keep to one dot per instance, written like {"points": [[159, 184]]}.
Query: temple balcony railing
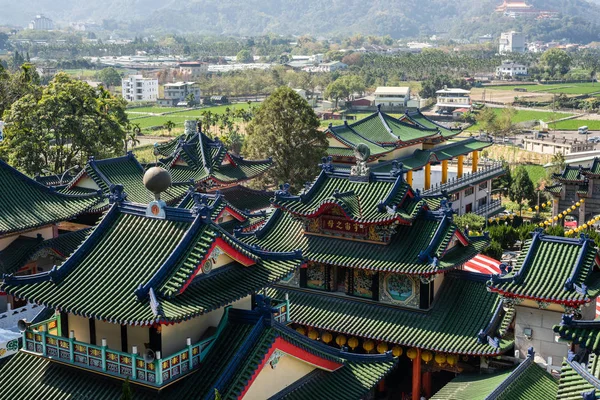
{"points": [[44, 339], [456, 184], [492, 208]]}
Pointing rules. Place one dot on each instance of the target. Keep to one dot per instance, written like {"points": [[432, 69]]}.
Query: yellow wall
{"points": [[271, 381], [402, 152], [174, 336], [137, 336], [81, 326], [108, 331], [87, 182], [47, 232]]}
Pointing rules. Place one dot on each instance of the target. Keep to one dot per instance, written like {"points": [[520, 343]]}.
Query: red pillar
{"points": [[416, 378], [427, 384]]}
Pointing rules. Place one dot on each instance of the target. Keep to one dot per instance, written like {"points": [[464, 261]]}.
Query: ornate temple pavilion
{"points": [[195, 156], [572, 185], [420, 144], [380, 272], [179, 317]]}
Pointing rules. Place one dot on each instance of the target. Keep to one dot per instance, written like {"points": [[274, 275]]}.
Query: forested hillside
{"points": [[397, 18]]}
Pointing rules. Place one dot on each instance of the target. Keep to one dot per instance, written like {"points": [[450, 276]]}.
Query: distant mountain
{"points": [[398, 18]]}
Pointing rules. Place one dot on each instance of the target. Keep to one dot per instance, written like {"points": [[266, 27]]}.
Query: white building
{"points": [[138, 88], [332, 66], [175, 94], [449, 99], [193, 69], [392, 97], [41, 23], [509, 69], [512, 42]]}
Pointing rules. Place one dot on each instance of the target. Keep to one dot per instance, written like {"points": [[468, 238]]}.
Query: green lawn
{"points": [[85, 73], [153, 110], [536, 173], [574, 124], [148, 122], [213, 109], [567, 88]]}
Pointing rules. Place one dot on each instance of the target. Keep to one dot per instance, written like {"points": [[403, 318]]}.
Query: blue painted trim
{"points": [[435, 240], [394, 190], [143, 290], [93, 165], [576, 269], [316, 184], [537, 236], [238, 358], [512, 377], [155, 304], [489, 331], [582, 371]]}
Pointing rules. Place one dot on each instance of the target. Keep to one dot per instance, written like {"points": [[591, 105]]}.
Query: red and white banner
{"points": [[483, 265]]}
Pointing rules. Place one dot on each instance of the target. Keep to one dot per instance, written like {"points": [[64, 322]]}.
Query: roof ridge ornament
{"points": [[201, 206], [117, 194], [327, 164], [397, 169], [360, 172]]}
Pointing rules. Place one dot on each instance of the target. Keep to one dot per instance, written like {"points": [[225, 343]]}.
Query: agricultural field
{"points": [[566, 88], [153, 110], [214, 109], [148, 122], [536, 173], [574, 124], [529, 115]]}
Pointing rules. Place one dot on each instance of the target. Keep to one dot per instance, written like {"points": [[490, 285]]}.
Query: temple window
{"points": [[316, 276]]}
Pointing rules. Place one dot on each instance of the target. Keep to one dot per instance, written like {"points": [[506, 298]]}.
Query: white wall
{"points": [[81, 326], [108, 331]]}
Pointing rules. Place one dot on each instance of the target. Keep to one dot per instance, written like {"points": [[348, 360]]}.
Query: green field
{"points": [[214, 109], [84, 73], [157, 121], [574, 124], [153, 110], [566, 88], [528, 115], [536, 173]]}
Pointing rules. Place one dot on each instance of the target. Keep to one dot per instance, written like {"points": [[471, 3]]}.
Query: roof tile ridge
{"points": [[361, 136], [582, 371], [513, 376], [418, 126], [163, 271], [576, 268], [518, 277], [94, 166], [435, 123], [264, 229], [208, 164], [385, 124]]}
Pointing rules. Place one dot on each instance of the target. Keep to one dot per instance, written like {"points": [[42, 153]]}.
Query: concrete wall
{"points": [[543, 338]]}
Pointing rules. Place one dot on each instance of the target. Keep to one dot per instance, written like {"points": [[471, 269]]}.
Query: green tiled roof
{"points": [[208, 159], [554, 189], [27, 376], [283, 233], [418, 118], [552, 269], [583, 333], [463, 308], [526, 382], [138, 254], [374, 129], [244, 198], [577, 378], [572, 173], [446, 152], [362, 202], [595, 168], [352, 138], [126, 171], [23, 250], [27, 204]]}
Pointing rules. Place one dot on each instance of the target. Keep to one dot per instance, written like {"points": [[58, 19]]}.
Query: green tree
{"points": [[494, 250], [487, 120], [556, 61], [126, 393], [109, 77], [191, 100], [244, 56], [286, 128], [521, 190], [558, 165], [169, 125], [475, 222], [69, 122]]}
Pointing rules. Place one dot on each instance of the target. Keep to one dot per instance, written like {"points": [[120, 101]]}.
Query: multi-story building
{"points": [[193, 69], [392, 98], [138, 88], [509, 69], [450, 99], [177, 94], [41, 23], [512, 42]]}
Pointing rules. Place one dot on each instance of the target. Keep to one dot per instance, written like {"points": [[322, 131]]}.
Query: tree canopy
{"points": [[110, 77], [521, 190], [286, 128], [62, 126]]}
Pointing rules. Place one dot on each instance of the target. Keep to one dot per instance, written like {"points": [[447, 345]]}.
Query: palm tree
{"points": [[169, 125]]}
